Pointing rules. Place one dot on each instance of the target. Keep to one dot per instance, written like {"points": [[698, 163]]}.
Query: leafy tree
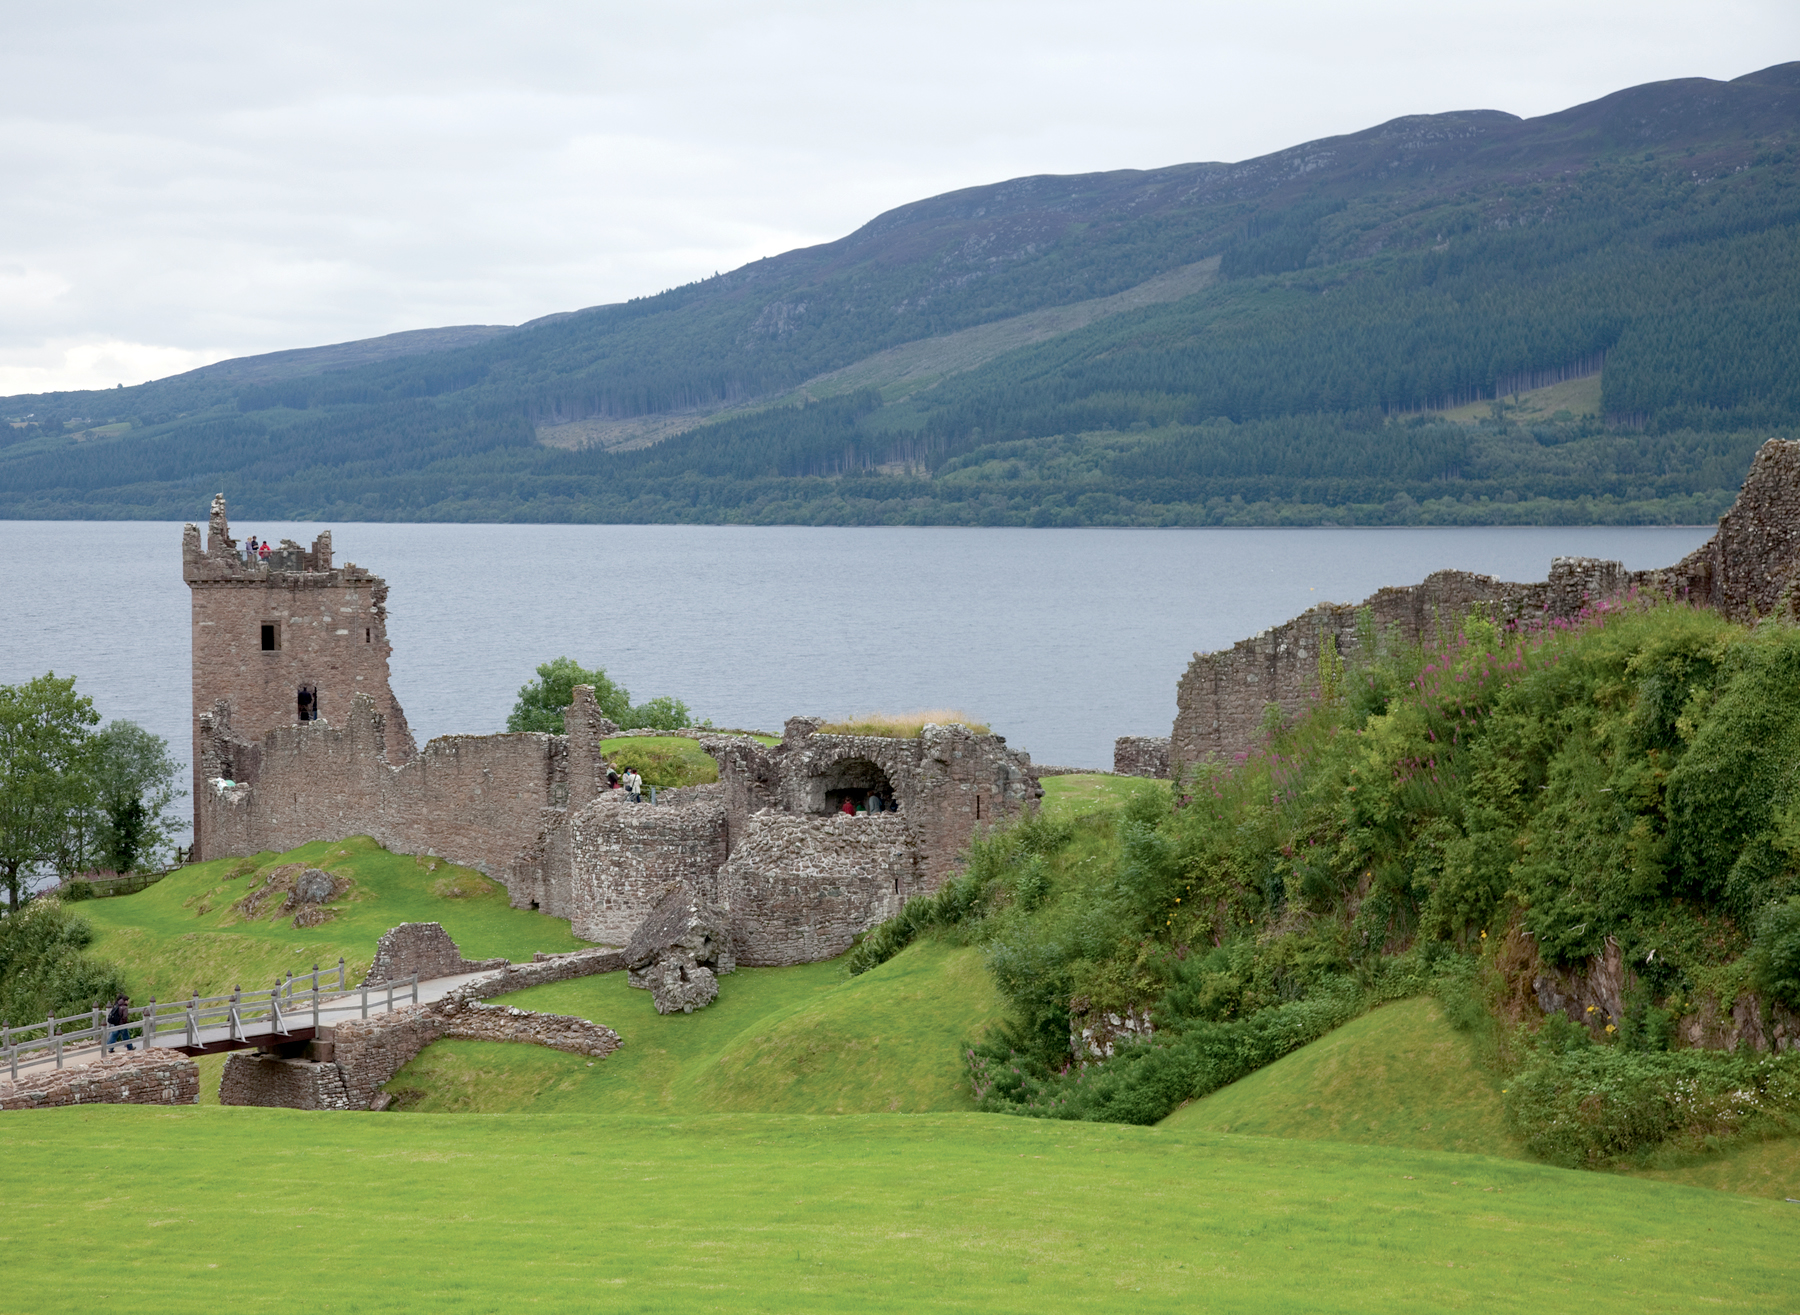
{"points": [[47, 776], [135, 779], [43, 967], [541, 703]]}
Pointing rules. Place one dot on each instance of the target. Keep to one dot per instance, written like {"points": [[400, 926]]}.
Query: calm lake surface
{"points": [[1061, 639]]}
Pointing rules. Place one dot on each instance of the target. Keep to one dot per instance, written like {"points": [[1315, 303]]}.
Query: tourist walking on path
{"points": [[119, 1019], [634, 785]]}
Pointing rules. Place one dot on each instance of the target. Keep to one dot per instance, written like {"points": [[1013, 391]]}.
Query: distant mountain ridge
{"points": [[1383, 272]]}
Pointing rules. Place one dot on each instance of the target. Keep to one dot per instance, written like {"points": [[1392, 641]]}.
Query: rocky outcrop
{"points": [[680, 952]]}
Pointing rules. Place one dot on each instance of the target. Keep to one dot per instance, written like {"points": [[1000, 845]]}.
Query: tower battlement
{"points": [[287, 640]]}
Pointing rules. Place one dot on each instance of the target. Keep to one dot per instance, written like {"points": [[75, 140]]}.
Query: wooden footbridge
{"points": [[290, 1012]]}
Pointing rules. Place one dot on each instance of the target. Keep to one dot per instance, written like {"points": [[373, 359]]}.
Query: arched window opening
{"points": [[857, 782]]}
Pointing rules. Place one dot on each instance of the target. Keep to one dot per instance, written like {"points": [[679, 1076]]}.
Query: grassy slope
{"points": [[779, 1040], [182, 934], [1399, 1076], [146, 1209], [1084, 792]]}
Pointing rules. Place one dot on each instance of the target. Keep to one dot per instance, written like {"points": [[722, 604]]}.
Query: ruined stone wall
{"points": [[1750, 568], [799, 888], [1140, 755], [330, 625], [424, 948], [151, 1077], [622, 856], [289, 1084], [367, 1053], [473, 799], [1221, 699]]}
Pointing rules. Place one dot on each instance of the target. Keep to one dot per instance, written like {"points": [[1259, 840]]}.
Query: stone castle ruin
{"points": [[298, 737], [1750, 568]]}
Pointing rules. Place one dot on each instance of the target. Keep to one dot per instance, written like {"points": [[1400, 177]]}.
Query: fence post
{"points": [[365, 999], [235, 1025], [315, 999], [149, 1023], [390, 987], [415, 988], [99, 1036], [193, 1021], [340, 972], [56, 1038]]}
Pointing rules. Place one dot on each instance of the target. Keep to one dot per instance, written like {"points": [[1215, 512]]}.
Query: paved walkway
{"points": [[338, 1007]]}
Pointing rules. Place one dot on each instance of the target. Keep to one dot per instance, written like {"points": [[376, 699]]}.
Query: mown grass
{"points": [[1081, 793], [778, 1040], [151, 1209], [187, 934], [1401, 1076], [1398, 1076]]}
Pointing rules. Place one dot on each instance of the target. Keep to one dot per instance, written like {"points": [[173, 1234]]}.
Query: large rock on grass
{"points": [[680, 951]]}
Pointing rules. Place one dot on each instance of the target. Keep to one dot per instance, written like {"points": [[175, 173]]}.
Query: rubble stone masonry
{"points": [[150, 1077], [1750, 568]]}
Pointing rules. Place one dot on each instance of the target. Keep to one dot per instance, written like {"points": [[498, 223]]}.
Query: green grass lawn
{"points": [[187, 934], [1398, 1076], [1082, 792], [778, 1040], [152, 1210]]}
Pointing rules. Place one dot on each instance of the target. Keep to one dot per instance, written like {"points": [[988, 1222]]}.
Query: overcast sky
{"points": [[190, 181]]}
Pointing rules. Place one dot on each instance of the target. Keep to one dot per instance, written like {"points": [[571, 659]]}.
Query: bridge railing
{"points": [[299, 1001]]}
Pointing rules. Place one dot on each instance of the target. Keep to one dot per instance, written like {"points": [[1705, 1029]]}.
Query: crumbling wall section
{"points": [[289, 1084], [424, 948], [623, 856], [1222, 698], [477, 800], [1140, 755], [800, 888], [151, 1077]]}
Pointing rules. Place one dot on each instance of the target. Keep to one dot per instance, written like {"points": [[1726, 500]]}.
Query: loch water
{"points": [[1060, 639]]}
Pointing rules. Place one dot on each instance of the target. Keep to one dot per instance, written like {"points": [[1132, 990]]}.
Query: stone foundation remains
{"points": [[151, 1077], [1749, 569], [424, 948], [1141, 755]]}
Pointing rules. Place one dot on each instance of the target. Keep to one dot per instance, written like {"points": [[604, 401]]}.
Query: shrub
{"points": [[43, 967], [1775, 955]]}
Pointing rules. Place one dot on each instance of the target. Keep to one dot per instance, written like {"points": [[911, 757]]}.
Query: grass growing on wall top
{"points": [[193, 932], [664, 761], [781, 1040], [145, 1209], [902, 725]]}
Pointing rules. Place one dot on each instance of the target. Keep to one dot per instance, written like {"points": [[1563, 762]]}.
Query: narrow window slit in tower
{"points": [[368, 634], [271, 638]]}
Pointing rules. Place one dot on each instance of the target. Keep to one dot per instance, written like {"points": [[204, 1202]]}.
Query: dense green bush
{"points": [[44, 968], [1627, 774]]}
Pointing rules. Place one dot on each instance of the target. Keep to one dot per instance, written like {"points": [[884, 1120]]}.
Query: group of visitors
{"points": [[254, 551], [873, 804], [631, 783]]}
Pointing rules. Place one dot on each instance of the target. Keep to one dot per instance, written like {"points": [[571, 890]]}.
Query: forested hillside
{"points": [[1363, 285]]}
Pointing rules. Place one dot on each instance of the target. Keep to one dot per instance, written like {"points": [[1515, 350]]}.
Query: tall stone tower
{"points": [[281, 641]]}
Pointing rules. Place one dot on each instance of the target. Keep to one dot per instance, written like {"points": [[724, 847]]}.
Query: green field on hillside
{"points": [[156, 1210], [1085, 792], [191, 932], [1398, 1076], [802, 1040]]}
